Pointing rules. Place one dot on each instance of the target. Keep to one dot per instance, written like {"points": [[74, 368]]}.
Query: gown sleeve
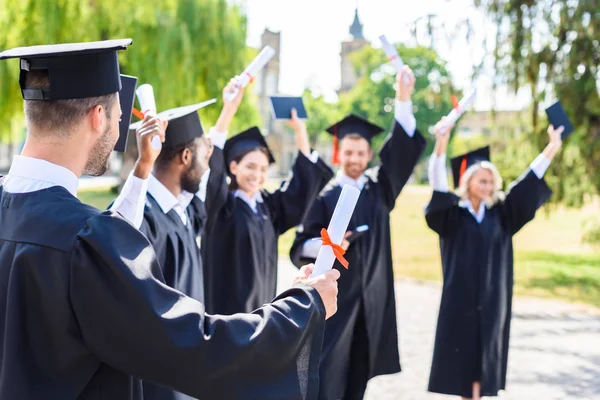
{"points": [[217, 189], [289, 205], [138, 325], [399, 155], [441, 213], [525, 196]]}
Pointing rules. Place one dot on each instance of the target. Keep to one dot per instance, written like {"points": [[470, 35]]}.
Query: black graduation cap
{"points": [[558, 117], [184, 124], [461, 163], [126, 97], [76, 70], [240, 143], [281, 107], [352, 124]]}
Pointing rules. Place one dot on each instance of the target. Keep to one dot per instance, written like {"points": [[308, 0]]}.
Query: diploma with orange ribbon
{"points": [[333, 236], [145, 95], [250, 73], [458, 109]]}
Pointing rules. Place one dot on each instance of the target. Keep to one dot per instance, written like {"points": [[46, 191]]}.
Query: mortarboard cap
{"points": [[184, 124], [352, 124], [126, 98], [558, 117], [281, 107], [249, 139], [461, 163], [75, 70]]}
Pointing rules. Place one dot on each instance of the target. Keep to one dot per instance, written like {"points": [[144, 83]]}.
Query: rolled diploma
{"points": [[392, 55], [256, 65], [145, 95], [456, 113], [337, 228]]}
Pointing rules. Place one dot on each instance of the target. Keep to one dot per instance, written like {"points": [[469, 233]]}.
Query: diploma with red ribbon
{"points": [[333, 236], [250, 72], [458, 109], [392, 55], [145, 95]]}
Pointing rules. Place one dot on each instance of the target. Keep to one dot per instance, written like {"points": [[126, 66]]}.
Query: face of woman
{"points": [[481, 186], [251, 172]]}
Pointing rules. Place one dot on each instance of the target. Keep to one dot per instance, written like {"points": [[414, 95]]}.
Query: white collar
{"points": [[342, 179], [469, 206], [165, 199], [251, 201], [44, 173]]}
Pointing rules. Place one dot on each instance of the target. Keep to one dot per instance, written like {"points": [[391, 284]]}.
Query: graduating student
{"points": [[361, 341], [82, 311], [244, 220], [476, 226], [174, 215]]}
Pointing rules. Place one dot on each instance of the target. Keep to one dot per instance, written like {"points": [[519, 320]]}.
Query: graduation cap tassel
{"points": [[336, 155], [463, 168]]}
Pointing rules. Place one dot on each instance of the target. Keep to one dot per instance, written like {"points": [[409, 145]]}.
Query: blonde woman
{"points": [[476, 226]]}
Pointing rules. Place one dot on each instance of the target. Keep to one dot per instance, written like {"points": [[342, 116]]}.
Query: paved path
{"points": [[554, 353]]}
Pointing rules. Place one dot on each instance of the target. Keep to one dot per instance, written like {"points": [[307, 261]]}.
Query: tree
{"points": [[373, 96], [552, 48], [187, 49], [321, 115]]}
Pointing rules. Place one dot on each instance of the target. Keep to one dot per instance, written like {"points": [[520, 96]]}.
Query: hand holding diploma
{"points": [[405, 84], [325, 284], [233, 94], [151, 127], [333, 236], [145, 95], [458, 111], [250, 72]]}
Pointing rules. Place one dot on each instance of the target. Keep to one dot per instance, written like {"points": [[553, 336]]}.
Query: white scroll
{"points": [[145, 95], [457, 112], [392, 55], [337, 228], [250, 72]]}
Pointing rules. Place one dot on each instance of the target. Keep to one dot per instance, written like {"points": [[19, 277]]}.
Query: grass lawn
{"points": [[550, 260]]}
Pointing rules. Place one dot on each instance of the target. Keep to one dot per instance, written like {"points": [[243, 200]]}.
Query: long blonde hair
{"points": [[465, 180]]}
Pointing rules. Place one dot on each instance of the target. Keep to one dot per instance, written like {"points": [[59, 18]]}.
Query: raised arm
{"points": [[131, 200], [216, 189], [138, 325], [310, 174], [436, 172], [404, 147], [530, 192], [441, 211]]}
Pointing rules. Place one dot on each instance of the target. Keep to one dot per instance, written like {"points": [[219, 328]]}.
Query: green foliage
{"points": [[552, 47], [373, 96], [187, 49], [321, 116]]}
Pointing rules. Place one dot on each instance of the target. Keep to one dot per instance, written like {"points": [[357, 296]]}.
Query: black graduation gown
{"points": [[366, 289], [179, 259], [239, 246], [81, 314], [176, 245], [473, 328]]}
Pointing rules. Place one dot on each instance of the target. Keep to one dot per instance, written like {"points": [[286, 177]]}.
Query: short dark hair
{"points": [[232, 182], [60, 115], [167, 154]]}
